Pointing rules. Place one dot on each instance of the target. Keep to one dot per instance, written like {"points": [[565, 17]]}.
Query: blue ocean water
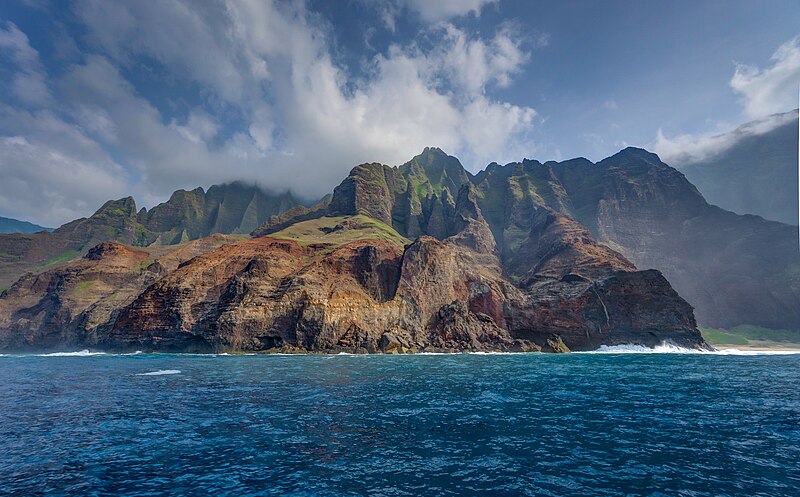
{"points": [[527, 424]]}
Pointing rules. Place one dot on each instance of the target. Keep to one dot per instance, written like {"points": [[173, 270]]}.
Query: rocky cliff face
{"points": [[57, 308], [733, 269], [64, 307], [426, 256], [231, 208], [349, 284]]}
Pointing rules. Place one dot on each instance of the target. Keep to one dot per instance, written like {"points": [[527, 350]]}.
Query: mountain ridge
{"points": [[547, 229], [233, 208], [631, 201], [358, 294], [360, 272], [9, 225]]}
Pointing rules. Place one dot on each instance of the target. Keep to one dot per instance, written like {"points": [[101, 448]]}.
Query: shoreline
{"points": [[789, 348]]}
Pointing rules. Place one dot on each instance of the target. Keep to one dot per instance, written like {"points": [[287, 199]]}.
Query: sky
{"points": [[102, 99]]}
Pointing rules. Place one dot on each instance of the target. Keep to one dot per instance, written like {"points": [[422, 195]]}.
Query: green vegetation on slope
{"points": [[59, 259], [337, 231], [746, 334], [81, 289], [720, 337]]}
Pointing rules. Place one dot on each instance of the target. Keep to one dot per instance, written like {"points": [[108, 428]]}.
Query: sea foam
{"points": [[160, 372], [670, 348], [81, 353]]}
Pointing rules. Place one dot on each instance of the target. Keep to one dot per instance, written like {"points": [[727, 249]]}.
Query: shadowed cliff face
{"points": [[732, 268], [756, 175]]}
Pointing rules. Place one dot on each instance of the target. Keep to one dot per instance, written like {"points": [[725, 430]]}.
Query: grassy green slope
{"points": [[747, 334], [337, 231]]}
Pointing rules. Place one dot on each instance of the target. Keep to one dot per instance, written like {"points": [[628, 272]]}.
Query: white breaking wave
{"points": [[160, 372], [669, 348], [81, 353], [492, 352]]}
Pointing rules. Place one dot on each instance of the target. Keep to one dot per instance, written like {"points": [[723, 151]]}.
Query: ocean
{"points": [[613, 423]]}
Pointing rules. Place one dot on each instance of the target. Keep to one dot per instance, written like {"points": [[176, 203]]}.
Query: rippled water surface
{"points": [[533, 424]]}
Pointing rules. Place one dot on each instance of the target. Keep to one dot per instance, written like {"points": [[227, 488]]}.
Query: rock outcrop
{"points": [[64, 307], [732, 268]]}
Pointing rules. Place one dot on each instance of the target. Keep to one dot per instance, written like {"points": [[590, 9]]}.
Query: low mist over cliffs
{"points": [[756, 173]]}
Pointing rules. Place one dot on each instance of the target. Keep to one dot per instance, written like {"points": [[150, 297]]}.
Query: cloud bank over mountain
{"points": [[102, 98], [765, 95], [272, 105]]}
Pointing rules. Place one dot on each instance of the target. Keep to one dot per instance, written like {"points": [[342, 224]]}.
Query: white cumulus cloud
{"points": [[688, 149], [439, 10], [300, 120], [772, 89], [28, 82], [765, 94], [429, 11]]}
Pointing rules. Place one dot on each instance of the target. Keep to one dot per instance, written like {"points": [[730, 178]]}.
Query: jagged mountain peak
{"points": [[178, 194], [235, 208], [634, 156], [575, 162], [531, 163], [125, 206], [438, 168], [432, 152], [632, 202], [349, 281]]}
